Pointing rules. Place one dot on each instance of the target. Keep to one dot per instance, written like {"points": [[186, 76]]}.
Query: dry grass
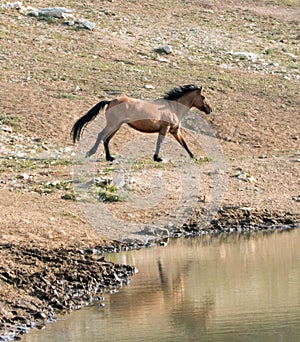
{"points": [[45, 63]]}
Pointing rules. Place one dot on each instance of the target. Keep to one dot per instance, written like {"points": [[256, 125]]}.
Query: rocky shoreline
{"points": [[51, 281], [47, 282]]}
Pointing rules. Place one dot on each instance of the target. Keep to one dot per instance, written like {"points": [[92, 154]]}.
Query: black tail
{"points": [[84, 120]]}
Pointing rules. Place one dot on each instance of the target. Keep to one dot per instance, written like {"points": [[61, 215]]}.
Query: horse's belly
{"points": [[146, 126]]}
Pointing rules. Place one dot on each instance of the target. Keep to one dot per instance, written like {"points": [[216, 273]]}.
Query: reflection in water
{"points": [[212, 288]]}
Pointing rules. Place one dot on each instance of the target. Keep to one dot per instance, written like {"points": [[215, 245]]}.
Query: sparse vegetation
{"points": [[58, 185], [108, 193], [13, 121], [17, 164], [69, 196], [14, 164]]}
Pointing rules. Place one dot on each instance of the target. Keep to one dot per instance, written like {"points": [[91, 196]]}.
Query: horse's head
{"points": [[201, 102]]}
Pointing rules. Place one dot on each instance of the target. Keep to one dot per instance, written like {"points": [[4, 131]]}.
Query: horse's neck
{"points": [[180, 109], [175, 107], [187, 100]]}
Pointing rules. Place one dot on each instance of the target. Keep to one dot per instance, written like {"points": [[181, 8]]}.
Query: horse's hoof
{"points": [[157, 159], [110, 159]]}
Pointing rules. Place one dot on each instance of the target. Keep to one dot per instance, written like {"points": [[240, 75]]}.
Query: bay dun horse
{"points": [[160, 116]]}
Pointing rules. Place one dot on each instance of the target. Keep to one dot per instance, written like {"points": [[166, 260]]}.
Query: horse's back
{"points": [[128, 109]]}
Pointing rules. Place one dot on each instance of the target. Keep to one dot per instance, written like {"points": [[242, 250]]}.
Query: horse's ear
{"points": [[200, 89]]}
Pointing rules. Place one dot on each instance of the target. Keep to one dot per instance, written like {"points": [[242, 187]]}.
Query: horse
{"points": [[161, 116]]}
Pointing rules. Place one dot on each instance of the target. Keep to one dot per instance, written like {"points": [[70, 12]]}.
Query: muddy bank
{"points": [[37, 283], [241, 219]]}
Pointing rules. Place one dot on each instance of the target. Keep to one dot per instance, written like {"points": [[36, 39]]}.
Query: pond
{"points": [[232, 287]]}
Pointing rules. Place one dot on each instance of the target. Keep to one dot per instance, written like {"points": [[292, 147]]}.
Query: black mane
{"points": [[177, 92]]}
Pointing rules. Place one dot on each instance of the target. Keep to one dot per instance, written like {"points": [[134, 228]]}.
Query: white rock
{"points": [[11, 5], [102, 180], [6, 128], [24, 176], [167, 49], [163, 60], [89, 25], [149, 86], [291, 55], [67, 16], [249, 55], [28, 10], [245, 177], [57, 12]]}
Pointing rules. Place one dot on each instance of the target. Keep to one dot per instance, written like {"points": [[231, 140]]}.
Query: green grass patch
{"points": [[108, 193], [57, 162], [13, 121], [16, 164], [202, 160], [13, 164], [69, 196], [69, 96], [51, 186]]}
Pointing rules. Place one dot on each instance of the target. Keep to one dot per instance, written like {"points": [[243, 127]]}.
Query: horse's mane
{"points": [[177, 92]]}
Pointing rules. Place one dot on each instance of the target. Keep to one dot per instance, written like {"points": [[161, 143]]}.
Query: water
{"points": [[223, 288]]}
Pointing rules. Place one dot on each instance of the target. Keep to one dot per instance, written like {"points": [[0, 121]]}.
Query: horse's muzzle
{"points": [[208, 110]]}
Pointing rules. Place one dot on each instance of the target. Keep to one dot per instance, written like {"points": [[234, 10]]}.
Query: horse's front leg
{"points": [[178, 136]]}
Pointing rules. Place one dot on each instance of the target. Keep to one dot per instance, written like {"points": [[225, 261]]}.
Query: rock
{"points": [[11, 5], [163, 60], [247, 55], [5, 128], [30, 11], [102, 180], [244, 177], [85, 23], [24, 175], [149, 86], [56, 12], [167, 49]]}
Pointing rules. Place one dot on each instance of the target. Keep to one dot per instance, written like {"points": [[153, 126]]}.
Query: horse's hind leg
{"points": [[106, 132], [94, 149], [106, 142]]}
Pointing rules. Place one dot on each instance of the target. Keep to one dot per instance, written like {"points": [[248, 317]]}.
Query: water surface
{"points": [[212, 288]]}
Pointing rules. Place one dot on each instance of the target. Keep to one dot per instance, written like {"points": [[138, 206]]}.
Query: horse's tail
{"points": [[84, 120]]}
